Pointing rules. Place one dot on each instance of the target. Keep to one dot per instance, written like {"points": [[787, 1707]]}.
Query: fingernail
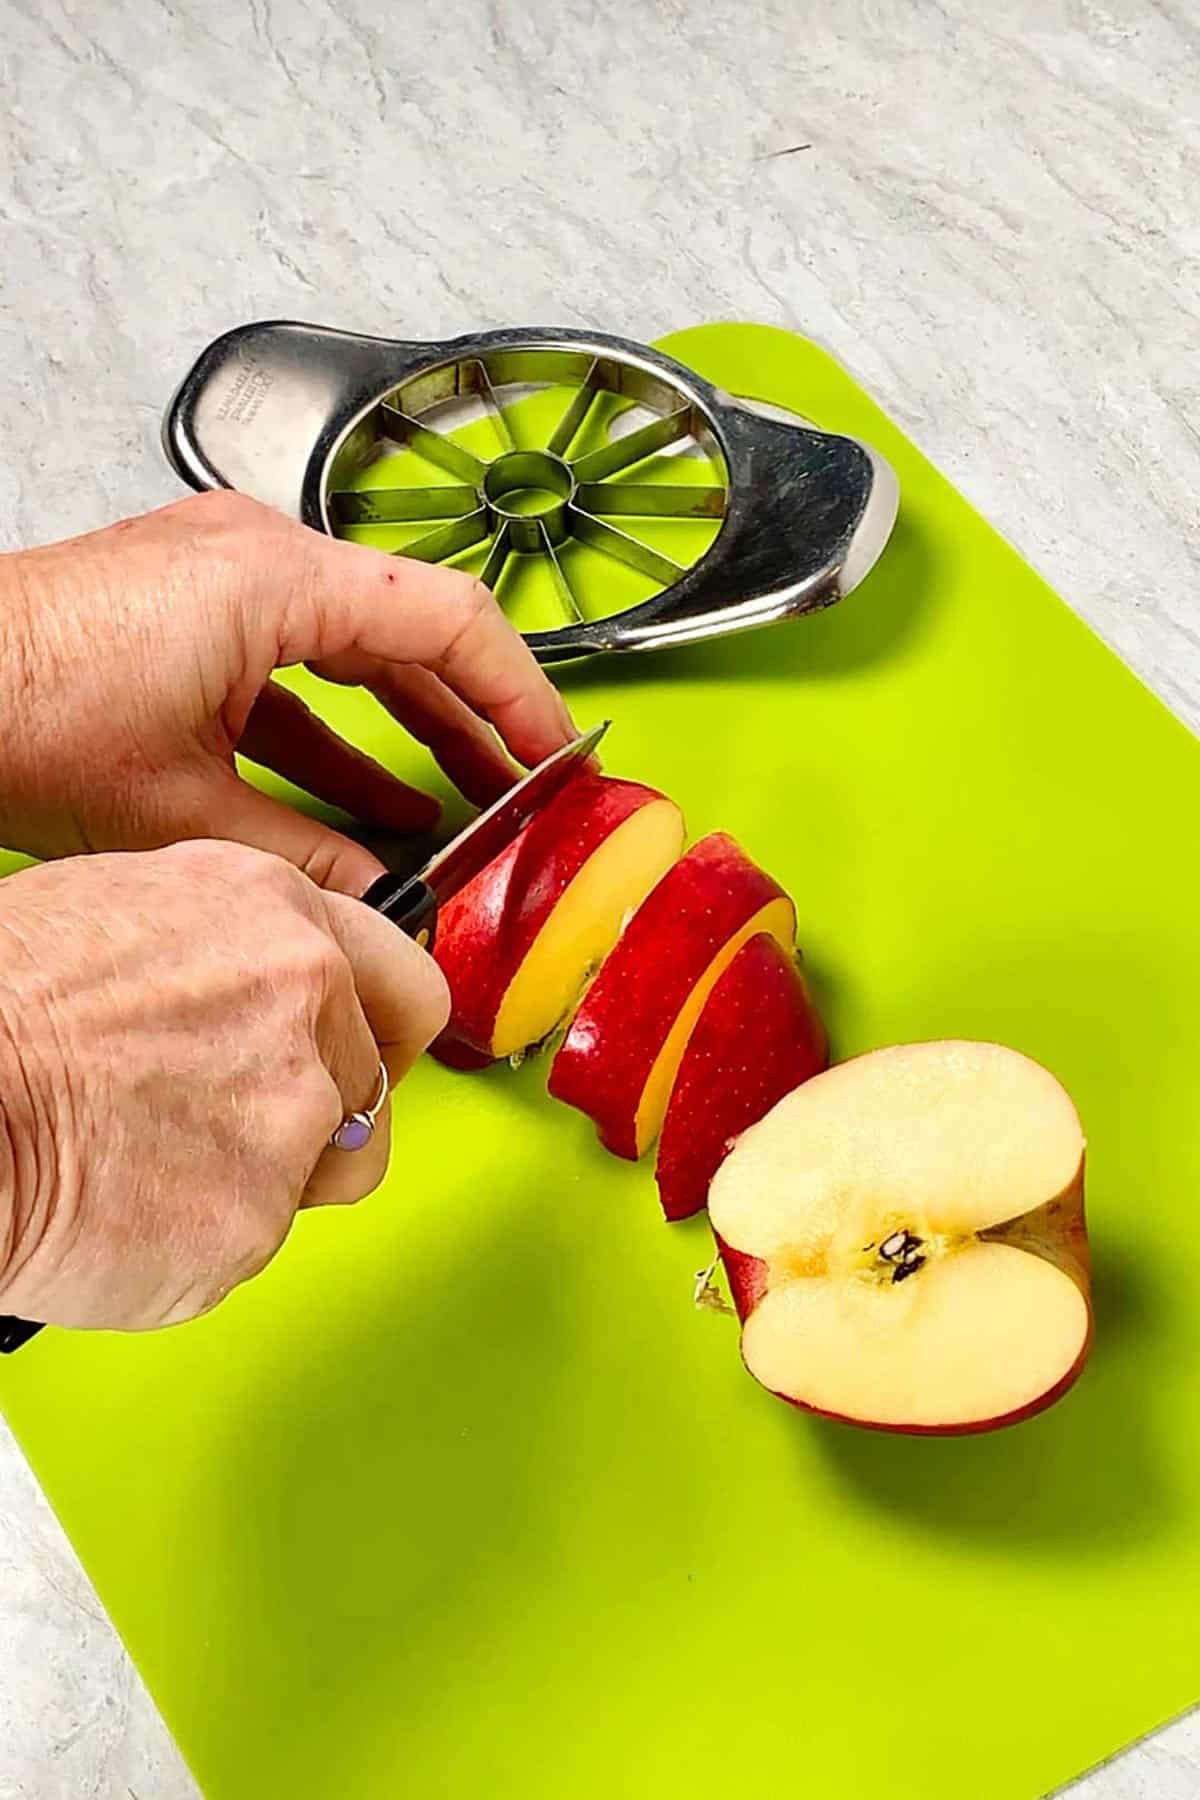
{"points": [[568, 724]]}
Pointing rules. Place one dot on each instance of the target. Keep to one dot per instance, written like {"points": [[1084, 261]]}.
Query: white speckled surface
{"points": [[993, 223]]}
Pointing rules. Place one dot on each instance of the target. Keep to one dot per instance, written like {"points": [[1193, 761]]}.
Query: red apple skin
{"points": [[627, 1013], [758, 1037], [971, 1429], [485, 932], [747, 1277], [452, 1053]]}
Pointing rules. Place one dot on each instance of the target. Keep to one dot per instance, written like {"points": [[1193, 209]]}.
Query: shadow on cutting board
{"points": [[1086, 1474], [892, 608], [1082, 1476], [401, 1487]]}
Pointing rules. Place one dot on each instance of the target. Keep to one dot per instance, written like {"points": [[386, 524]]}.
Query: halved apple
{"points": [[905, 1241], [519, 942], [619, 1059], [758, 1037]]}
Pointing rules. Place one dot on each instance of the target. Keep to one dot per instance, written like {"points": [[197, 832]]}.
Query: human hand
{"points": [[180, 1033], [135, 661]]}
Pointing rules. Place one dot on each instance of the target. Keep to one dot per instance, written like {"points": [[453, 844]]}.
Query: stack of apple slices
{"points": [[903, 1235], [675, 977], [519, 943], [624, 1049]]}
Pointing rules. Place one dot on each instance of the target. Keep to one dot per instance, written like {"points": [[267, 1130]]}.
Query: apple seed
{"points": [[903, 1251]]}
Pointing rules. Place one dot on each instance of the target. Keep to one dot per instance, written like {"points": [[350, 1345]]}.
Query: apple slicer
{"points": [[613, 499]]}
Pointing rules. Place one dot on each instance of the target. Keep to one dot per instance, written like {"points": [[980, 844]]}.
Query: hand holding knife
{"points": [[412, 902]]}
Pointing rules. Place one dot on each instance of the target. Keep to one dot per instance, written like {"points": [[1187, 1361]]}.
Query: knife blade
{"points": [[411, 902]]}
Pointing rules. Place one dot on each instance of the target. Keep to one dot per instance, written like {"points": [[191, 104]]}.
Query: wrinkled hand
{"points": [[135, 661], [180, 1032]]}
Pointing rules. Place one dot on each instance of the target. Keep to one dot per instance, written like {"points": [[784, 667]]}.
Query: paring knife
{"points": [[412, 902]]}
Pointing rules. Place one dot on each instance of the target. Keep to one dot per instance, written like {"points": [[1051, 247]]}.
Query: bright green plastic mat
{"points": [[463, 1499]]}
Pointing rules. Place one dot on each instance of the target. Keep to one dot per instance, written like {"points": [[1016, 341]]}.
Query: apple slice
{"points": [[619, 1059], [519, 942], [758, 1037], [454, 1054], [905, 1241]]}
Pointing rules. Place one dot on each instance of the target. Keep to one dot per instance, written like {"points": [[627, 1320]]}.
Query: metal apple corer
{"points": [[612, 498]]}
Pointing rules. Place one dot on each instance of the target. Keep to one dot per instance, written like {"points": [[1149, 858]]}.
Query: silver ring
{"points": [[357, 1128]]}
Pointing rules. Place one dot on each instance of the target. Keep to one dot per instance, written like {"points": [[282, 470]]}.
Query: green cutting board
{"points": [[463, 1499]]}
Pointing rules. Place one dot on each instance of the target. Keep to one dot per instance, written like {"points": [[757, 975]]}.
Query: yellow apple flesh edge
{"points": [[778, 917], [585, 924]]}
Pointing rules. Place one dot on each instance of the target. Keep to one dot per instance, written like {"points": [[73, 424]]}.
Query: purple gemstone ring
{"points": [[357, 1128]]}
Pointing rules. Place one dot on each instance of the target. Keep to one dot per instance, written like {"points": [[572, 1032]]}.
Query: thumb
{"points": [[327, 857]]}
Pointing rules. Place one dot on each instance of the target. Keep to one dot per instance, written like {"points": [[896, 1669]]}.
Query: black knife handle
{"points": [[412, 906], [15, 1332], [409, 903]]}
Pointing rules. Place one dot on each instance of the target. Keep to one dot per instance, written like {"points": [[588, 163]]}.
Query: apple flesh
{"points": [[905, 1242], [758, 1037], [618, 1062], [518, 943]]}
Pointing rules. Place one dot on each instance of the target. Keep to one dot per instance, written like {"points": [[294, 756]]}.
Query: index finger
{"points": [[406, 612]]}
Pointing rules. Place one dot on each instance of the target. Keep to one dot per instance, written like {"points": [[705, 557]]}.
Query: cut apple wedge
{"points": [[905, 1242], [454, 1054], [758, 1037], [520, 941], [619, 1059]]}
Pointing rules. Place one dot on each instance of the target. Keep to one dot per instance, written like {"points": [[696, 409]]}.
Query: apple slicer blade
{"points": [[610, 497]]}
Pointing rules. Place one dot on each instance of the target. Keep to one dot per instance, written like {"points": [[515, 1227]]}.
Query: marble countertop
{"points": [[988, 213]]}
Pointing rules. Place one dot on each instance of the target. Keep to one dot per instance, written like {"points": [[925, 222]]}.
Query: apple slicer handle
{"points": [[261, 405]]}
